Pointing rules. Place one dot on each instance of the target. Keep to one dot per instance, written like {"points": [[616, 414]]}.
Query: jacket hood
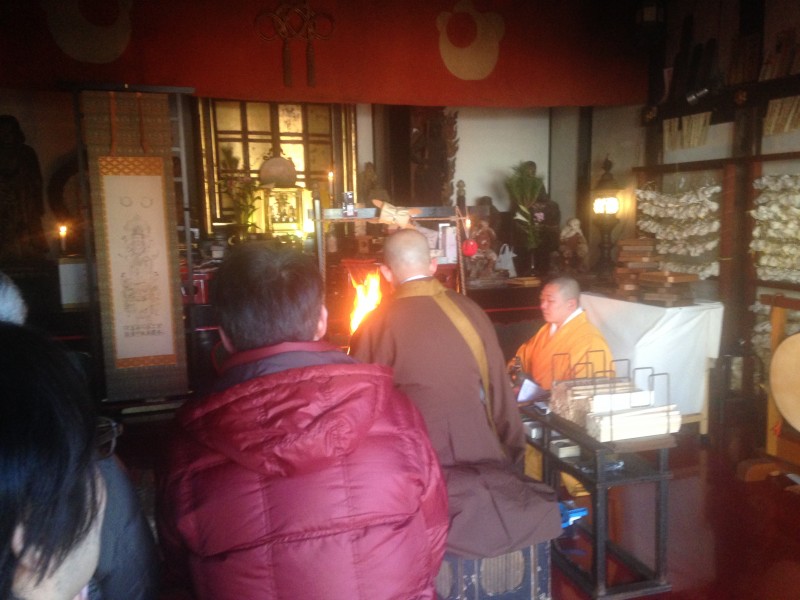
{"points": [[291, 421]]}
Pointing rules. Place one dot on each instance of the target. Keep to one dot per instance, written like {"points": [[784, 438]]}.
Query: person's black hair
{"points": [[47, 469], [266, 295]]}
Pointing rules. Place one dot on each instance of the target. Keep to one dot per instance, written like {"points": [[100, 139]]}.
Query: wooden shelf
{"points": [[724, 103]]}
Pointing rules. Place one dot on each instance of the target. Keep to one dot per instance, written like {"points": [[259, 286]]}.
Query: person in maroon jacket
{"points": [[306, 474]]}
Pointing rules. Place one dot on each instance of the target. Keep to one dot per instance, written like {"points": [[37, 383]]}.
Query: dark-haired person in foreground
{"points": [[306, 474], [128, 565], [52, 497]]}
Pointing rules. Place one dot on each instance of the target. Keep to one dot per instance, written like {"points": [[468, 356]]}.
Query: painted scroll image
{"points": [[137, 255]]}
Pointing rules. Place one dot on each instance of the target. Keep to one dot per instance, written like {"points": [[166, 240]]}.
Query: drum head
{"points": [[784, 379]]}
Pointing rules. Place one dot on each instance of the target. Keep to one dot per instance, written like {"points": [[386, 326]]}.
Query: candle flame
{"points": [[62, 230]]}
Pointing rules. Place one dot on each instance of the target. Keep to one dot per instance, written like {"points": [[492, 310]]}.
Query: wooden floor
{"points": [[728, 539]]}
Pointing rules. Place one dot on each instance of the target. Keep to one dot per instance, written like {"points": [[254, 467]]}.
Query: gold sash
{"points": [[433, 288]]}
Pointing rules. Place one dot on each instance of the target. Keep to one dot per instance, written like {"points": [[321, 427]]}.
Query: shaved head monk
{"points": [[445, 356], [567, 346]]}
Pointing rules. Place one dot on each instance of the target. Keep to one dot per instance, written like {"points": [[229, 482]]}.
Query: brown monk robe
{"points": [[493, 508]]}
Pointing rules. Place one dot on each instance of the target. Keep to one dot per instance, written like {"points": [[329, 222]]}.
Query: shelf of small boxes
{"points": [[639, 279], [613, 409], [636, 256]]}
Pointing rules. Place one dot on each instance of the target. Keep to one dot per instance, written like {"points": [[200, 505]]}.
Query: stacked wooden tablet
{"points": [[636, 256], [665, 288]]}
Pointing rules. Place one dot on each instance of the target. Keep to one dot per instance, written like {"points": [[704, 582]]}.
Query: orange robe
{"points": [[564, 354]]}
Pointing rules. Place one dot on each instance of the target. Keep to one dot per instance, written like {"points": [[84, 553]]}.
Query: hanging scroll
{"points": [[128, 139], [133, 193]]}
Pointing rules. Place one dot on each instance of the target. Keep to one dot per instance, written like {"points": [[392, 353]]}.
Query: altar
{"points": [[682, 341]]}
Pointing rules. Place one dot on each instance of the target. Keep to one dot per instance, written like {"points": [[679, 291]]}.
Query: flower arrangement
{"points": [[531, 223], [243, 191], [525, 187]]}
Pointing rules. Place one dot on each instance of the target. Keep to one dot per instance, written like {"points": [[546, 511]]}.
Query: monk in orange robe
{"points": [[567, 346]]}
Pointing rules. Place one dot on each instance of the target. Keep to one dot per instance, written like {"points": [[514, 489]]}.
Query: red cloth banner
{"points": [[514, 53]]}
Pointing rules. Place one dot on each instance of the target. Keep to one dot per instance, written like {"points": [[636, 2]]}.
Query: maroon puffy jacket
{"points": [[311, 483]]}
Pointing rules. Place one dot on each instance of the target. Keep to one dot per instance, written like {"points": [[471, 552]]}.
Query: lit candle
{"points": [[467, 225], [330, 184], [62, 234]]}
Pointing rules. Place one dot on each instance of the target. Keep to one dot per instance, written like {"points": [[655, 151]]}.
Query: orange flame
{"points": [[368, 297]]}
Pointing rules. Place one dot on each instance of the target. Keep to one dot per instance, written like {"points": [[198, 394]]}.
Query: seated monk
{"points": [[567, 346]]}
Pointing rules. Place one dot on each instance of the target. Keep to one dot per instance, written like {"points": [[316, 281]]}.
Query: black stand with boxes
{"points": [[599, 466]]}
